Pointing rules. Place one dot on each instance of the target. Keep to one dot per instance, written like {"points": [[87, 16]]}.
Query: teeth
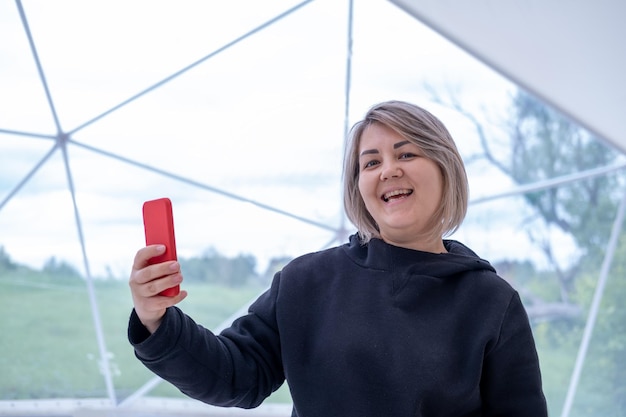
{"points": [[394, 193]]}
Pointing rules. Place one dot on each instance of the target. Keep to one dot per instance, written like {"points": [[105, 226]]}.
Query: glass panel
{"points": [[248, 145]]}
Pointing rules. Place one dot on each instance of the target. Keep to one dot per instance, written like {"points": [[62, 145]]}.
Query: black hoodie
{"points": [[364, 330]]}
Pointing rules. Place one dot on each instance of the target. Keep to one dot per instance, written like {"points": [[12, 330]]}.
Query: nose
{"points": [[390, 170]]}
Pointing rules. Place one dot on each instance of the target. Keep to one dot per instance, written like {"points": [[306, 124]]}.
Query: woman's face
{"points": [[401, 188]]}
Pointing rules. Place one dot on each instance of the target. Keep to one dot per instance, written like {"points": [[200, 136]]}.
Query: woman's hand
{"points": [[147, 281]]}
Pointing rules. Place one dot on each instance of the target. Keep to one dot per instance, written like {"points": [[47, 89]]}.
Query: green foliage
{"points": [[546, 145], [607, 351], [61, 269], [6, 264], [524, 276], [213, 267], [602, 386]]}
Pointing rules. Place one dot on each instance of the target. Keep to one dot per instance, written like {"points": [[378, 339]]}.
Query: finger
{"points": [[153, 272], [156, 286], [143, 255]]}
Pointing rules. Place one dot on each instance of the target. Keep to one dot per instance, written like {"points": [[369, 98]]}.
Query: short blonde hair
{"points": [[420, 127]]}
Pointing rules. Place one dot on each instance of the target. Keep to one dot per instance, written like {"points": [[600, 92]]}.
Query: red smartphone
{"points": [[158, 223]]}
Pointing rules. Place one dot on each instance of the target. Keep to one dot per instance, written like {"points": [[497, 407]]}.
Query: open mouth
{"points": [[396, 194]]}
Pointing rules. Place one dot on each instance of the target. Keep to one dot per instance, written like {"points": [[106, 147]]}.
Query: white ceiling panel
{"points": [[570, 54]]}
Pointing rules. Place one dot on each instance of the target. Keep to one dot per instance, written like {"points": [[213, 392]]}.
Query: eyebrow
{"points": [[395, 146], [399, 144]]}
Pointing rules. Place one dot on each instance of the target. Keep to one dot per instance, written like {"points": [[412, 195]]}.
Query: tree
{"points": [[216, 268], [541, 144], [5, 261], [60, 269]]}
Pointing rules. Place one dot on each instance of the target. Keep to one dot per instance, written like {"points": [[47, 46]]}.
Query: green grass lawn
{"points": [[49, 346]]}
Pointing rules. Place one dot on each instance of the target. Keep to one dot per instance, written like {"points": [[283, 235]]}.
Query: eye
{"points": [[407, 155], [370, 163]]}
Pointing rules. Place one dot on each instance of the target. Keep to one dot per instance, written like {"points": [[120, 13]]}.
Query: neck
{"points": [[424, 245]]}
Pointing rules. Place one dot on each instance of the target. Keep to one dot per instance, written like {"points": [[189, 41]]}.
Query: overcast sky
{"points": [[262, 120]]}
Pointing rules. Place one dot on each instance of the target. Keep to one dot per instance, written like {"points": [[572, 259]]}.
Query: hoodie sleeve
{"points": [[511, 381], [238, 368]]}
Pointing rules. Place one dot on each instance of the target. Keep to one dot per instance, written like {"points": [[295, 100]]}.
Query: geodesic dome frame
{"points": [[343, 98]]}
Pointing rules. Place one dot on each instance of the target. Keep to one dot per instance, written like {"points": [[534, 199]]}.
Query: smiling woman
{"points": [[401, 150], [441, 333]]}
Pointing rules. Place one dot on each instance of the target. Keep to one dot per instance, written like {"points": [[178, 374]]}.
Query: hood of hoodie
{"points": [[378, 255], [420, 279]]}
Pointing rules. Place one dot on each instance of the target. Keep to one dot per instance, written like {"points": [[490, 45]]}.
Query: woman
{"points": [[396, 322]]}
